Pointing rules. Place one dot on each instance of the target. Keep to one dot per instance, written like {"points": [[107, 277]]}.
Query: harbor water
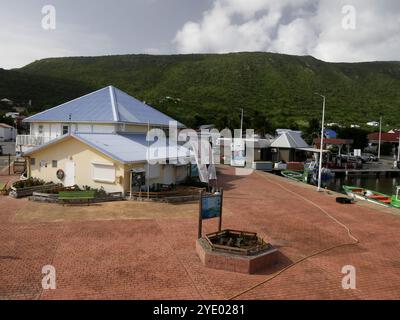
{"points": [[382, 184]]}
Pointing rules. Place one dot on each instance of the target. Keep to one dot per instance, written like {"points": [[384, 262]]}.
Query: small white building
{"points": [[7, 132], [373, 124], [6, 101], [13, 115]]}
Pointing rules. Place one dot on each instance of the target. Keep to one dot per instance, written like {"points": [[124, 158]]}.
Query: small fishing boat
{"points": [[294, 175], [326, 175], [395, 199], [373, 196]]}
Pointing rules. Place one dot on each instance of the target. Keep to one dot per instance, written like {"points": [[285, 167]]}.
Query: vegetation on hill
{"points": [[43, 91], [275, 90]]}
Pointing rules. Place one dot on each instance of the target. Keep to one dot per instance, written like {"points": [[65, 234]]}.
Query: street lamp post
{"points": [[241, 125], [398, 152], [380, 137], [321, 142]]}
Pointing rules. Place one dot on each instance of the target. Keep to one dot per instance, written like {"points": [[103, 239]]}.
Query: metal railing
{"points": [[32, 141]]}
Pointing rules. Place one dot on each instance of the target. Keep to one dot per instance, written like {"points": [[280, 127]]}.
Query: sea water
{"points": [[380, 184]]}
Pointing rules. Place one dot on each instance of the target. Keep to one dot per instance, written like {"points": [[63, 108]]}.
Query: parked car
{"points": [[1, 150], [371, 157], [362, 158]]}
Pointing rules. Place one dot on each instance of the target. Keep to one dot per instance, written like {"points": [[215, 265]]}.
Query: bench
{"points": [[76, 196]]}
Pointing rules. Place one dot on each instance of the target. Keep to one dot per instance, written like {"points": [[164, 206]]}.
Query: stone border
{"points": [[235, 263]]}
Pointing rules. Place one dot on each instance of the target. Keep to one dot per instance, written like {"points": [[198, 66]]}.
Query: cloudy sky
{"points": [[331, 30]]}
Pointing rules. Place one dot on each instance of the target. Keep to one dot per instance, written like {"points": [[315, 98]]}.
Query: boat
{"points": [[395, 198], [294, 175], [373, 196], [326, 175]]}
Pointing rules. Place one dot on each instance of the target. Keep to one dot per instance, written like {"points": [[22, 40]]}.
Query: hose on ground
{"points": [[349, 233]]}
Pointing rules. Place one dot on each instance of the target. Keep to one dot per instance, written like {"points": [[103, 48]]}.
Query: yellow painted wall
{"points": [[83, 156]]}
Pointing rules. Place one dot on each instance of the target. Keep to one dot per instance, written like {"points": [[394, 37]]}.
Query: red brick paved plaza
{"points": [[155, 258]]}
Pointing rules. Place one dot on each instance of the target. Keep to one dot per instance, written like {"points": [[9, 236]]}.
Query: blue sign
{"points": [[210, 207]]}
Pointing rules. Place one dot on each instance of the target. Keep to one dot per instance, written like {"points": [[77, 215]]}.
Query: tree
{"points": [[312, 131], [358, 135], [386, 148], [7, 120]]}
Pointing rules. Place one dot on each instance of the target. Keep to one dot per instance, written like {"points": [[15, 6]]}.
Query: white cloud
{"points": [[303, 27]]}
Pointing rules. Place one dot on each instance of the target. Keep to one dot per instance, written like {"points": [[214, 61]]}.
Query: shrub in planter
{"points": [[31, 182], [99, 193]]}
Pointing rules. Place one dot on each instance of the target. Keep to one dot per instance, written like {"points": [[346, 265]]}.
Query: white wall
{"points": [[104, 128], [55, 129], [169, 174], [7, 134], [181, 173], [84, 128]]}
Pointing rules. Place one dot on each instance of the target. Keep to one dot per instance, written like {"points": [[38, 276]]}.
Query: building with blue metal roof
{"points": [[107, 105], [99, 140]]}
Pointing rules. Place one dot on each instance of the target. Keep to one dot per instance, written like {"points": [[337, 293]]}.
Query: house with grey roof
{"points": [[99, 140], [289, 146], [108, 110]]}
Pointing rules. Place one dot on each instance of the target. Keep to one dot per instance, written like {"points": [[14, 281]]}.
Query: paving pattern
{"points": [[154, 258]]}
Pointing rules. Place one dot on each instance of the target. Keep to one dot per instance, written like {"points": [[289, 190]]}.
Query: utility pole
{"points": [[380, 137], [398, 152], [241, 124], [322, 142]]}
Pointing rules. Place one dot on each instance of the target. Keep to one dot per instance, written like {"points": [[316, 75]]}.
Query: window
{"points": [[43, 164], [103, 172], [65, 129], [40, 129], [54, 163], [33, 161]]}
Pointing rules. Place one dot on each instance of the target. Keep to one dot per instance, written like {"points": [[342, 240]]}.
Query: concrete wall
{"points": [[7, 134]]}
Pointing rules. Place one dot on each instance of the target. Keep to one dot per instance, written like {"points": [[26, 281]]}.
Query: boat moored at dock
{"points": [[373, 196]]}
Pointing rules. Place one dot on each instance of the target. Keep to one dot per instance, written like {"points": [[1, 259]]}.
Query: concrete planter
{"points": [[26, 192], [53, 198]]}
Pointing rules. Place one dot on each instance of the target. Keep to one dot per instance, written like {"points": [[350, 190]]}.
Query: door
{"points": [[69, 174]]}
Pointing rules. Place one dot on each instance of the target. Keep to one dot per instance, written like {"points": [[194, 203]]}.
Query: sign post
{"points": [[210, 207], [199, 234]]}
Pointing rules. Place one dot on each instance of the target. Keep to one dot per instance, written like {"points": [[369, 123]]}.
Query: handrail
{"points": [[30, 140]]}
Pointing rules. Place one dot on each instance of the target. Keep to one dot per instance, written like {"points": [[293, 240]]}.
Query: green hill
{"points": [[43, 90], [274, 89]]}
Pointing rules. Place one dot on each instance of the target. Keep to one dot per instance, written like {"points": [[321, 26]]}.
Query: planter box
{"points": [[114, 196], [25, 192], [53, 198], [44, 197], [236, 263]]}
